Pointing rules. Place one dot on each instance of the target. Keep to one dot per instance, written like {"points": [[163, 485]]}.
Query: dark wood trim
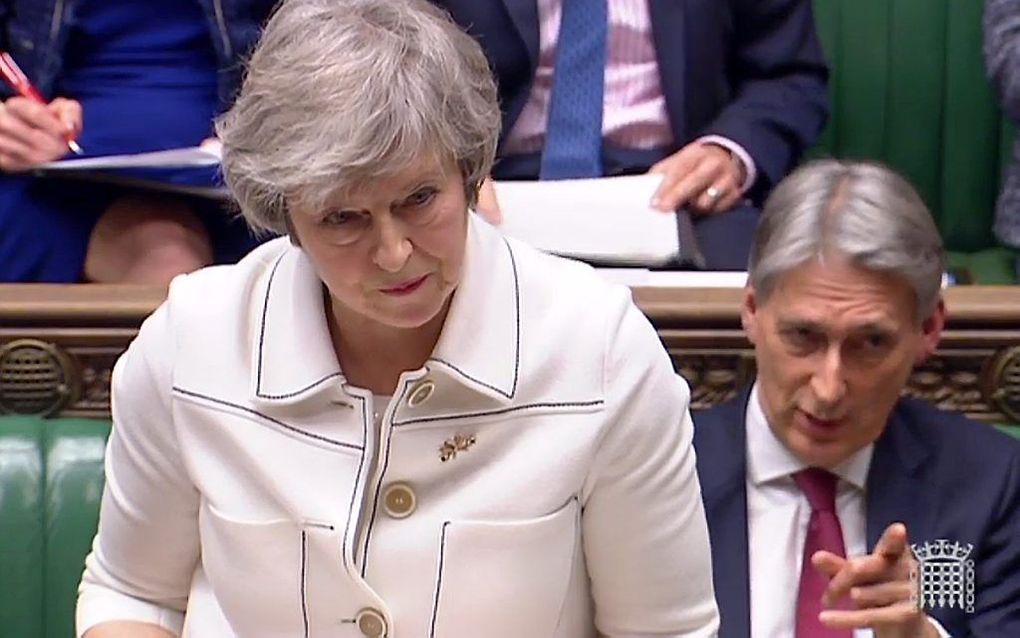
{"points": [[80, 330]]}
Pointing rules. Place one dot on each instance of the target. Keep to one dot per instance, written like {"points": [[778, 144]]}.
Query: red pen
{"points": [[17, 80]]}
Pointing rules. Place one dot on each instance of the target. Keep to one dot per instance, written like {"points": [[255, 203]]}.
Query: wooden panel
{"points": [[976, 370]]}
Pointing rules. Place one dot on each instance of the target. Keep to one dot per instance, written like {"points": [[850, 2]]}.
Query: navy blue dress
{"points": [[145, 74]]}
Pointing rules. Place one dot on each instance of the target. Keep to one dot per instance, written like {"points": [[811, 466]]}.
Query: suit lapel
{"points": [[671, 39], [720, 446], [524, 15], [898, 487]]}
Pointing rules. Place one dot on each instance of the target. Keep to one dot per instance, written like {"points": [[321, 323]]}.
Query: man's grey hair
{"points": [[860, 211], [341, 92]]}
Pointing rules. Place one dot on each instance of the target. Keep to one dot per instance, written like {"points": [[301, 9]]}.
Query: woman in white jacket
{"points": [[395, 421]]}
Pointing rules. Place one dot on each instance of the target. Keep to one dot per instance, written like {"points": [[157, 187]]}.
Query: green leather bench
{"points": [[51, 480], [908, 88]]}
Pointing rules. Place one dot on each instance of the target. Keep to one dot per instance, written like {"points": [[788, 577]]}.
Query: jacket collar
{"points": [[292, 351], [524, 15], [479, 347], [481, 340]]}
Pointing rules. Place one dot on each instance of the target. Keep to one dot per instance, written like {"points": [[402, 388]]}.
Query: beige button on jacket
{"points": [[246, 483]]}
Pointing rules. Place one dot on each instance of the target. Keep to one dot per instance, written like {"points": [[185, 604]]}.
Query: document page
{"points": [[607, 220], [206, 155]]}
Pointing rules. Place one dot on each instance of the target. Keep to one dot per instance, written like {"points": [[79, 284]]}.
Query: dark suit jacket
{"points": [[749, 70], [944, 476]]}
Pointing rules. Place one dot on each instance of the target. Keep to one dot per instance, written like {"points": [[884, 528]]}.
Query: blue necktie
{"points": [[573, 139]]}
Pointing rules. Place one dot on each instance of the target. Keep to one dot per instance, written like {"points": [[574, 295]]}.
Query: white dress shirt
{"points": [[777, 521]]}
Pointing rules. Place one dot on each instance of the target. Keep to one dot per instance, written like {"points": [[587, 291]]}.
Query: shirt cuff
{"points": [[750, 170], [938, 627]]}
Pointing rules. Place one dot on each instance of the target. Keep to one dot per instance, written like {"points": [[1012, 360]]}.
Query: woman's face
{"points": [[390, 252]]}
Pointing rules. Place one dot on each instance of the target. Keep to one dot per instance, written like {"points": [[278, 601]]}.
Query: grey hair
{"points": [[861, 211], [341, 92]]}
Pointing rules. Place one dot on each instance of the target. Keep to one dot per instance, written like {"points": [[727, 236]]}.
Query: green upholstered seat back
{"points": [[909, 89], [51, 481]]}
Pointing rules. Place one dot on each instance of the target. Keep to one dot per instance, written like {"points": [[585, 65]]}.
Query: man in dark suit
{"points": [[1001, 31], [819, 478], [721, 97]]}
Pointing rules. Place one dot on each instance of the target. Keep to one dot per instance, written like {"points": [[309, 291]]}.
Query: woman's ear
{"points": [[291, 231]]}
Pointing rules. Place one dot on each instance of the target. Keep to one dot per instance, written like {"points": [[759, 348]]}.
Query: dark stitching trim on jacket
{"points": [[439, 579], [262, 328], [516, 408], [304, 566], [378, 489], [357, 483], [308, 387], [517, 306], [291, 428], [471, 378], [517, 337], [262, 340]]}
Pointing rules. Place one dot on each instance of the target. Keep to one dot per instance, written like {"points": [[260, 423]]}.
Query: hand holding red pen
{"points": [[31, 131]]}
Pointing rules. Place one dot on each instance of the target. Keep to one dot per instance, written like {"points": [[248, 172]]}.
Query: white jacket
{"points": [[250, 494]]}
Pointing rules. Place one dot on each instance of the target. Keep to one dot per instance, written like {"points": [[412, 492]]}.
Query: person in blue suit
{"points": [[120, 77], [832, 502], [722, 98]]}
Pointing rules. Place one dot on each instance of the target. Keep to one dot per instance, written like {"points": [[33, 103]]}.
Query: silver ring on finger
{"points": [[713, 193]]}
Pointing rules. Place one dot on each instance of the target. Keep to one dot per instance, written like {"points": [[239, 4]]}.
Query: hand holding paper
{"points": [[32, 133], [606, 220]]}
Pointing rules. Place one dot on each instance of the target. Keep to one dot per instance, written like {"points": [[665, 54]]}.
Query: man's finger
{"points": [[893, 542], [673, 169], [883, 594], [730, 201], [898, 614], [691, 186], [828, 563], [863, 570], [719, 196]]}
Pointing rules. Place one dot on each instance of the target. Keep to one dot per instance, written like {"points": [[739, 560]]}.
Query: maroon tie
{"points": [[823, 532]]}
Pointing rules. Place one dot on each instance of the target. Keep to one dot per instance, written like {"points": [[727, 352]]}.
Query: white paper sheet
{"points": [[206, 155], [607, 220], [644, 278]]}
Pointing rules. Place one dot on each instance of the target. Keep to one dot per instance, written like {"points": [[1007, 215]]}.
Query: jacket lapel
{"points": [[671, 45], [898, 487], [720, 444], [524, 15]]}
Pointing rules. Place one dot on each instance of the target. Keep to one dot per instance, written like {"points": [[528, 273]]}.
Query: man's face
{"points": [[834, 344]]}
